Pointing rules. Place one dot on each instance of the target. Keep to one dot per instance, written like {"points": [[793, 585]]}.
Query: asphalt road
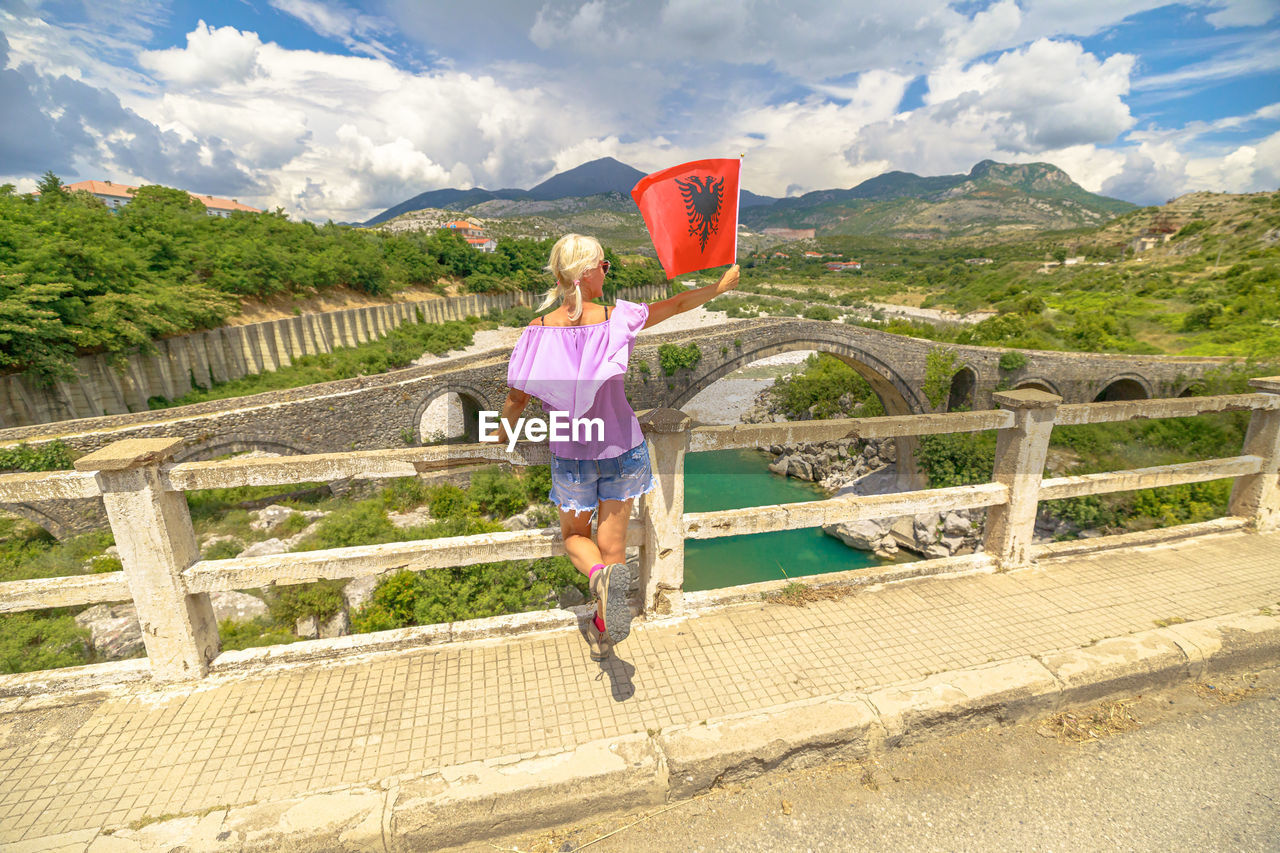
{"points": [[1200, 771]]}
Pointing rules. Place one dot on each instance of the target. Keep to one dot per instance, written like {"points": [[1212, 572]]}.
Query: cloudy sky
{"points": [[341, 108]]}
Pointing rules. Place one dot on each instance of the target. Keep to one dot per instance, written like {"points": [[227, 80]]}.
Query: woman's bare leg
{"points": [[611, 530], [611, 537], [575, 529]]}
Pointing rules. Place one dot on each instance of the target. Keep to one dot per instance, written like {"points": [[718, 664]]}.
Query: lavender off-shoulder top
{"points": [[581, 370]]}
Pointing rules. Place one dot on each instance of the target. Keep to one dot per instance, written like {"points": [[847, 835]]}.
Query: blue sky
{"points": [[339, 109]]}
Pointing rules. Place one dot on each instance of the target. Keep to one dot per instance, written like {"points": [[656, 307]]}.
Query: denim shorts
{"points": [[579, 485]]}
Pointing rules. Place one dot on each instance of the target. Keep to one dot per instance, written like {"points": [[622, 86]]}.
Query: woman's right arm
{"points": [[690, 299]]}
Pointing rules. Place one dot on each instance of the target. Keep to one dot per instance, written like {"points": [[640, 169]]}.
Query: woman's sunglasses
{"points": [[604, 267]]}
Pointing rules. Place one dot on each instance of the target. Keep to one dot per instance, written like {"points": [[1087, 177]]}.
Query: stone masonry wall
{"points": [[229, 352]]}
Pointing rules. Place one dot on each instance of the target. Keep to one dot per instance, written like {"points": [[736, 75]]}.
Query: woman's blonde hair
{"points": [[571, 256]]}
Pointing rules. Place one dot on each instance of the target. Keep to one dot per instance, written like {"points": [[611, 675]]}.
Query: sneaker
{"points": [[610, 587], [600, 644]]}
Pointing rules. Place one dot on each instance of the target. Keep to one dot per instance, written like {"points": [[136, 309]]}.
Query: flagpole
{"points": [[737, 208]]}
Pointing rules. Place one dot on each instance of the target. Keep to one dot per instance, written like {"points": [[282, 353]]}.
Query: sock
{"points": [[599, 624], [597, 567]]}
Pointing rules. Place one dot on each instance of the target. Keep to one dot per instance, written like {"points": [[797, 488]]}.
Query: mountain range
{"points": [[991, 197]]}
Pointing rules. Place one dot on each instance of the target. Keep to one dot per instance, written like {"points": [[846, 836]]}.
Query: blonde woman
{"points": [[574, 359]]}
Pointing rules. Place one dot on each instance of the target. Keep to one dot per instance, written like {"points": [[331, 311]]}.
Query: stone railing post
{"points": [[1257, 496], [153, 531], [662, 511], [1020, 456]]}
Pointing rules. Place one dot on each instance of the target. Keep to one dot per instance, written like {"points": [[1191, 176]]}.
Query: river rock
{"points": [[269, 516], [357, 591], [865, 535], [570, 596], [337, 625], [266, 548], [935, 551], [522, 521], [955, 524], [886, 547], [780, 466], [236, 606], [114, 631], [925, 528], [217, 539], [800, 469]]}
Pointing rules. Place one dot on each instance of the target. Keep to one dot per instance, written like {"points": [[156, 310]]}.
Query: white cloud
{"points": [[212, 57], [338, 22], [1048, 97], [1243, 13], [581, 31], [1256, 55], [993, 27], [809, 90]]}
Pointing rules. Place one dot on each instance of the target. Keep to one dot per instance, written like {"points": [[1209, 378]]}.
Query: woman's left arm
{"points": [[511, 409], [690, 299]]}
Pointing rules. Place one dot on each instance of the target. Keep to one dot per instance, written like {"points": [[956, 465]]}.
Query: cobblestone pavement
{"points": [[131, 755]]}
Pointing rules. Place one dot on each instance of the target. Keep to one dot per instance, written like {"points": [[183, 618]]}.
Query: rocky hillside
{"points": [[1217, 222], [993, 197]]}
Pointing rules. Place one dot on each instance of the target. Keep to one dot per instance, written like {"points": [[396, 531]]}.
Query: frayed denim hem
{"points": [[574, 507]]}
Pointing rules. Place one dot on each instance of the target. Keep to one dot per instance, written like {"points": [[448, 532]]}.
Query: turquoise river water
{"points": [[732, 479]]}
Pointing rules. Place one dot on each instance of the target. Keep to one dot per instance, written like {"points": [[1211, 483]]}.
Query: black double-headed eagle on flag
{"points": [[703, 197]]}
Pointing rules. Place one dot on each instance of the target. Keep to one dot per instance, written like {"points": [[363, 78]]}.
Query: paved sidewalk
{"points": [[136, 754]]}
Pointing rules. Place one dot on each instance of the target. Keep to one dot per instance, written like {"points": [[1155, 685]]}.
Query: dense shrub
{"points": [[50, 456], [825, 388], [673, 357]]}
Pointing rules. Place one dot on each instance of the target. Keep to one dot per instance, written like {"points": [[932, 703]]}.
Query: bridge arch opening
{"points": [[1038, 385], [1122, 389], [893, 393], [54, 527], [962, 387], [449, 416]]}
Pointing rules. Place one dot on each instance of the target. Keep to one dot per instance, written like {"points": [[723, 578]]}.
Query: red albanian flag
{"points": [[692, 214]]}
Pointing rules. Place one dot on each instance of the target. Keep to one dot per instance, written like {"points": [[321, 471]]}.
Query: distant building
{"points": [[474, 234], [844, 266], [790, 233], [116, 196], [977, 261], [1149, 240]]}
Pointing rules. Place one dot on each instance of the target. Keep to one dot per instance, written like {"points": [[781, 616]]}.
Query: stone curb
{"points": [[502, 796]]}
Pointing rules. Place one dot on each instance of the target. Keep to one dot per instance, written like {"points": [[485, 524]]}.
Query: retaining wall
{"points": [[230, 352]]}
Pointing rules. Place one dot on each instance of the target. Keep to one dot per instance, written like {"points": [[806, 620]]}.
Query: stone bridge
{"points": [[388, 410]]}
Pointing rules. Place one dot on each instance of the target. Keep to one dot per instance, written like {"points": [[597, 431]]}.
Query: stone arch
{"points": [[1039, 384], [240, 442], [1126, 386], [471, 401], [896, 394], [54, 526], [963, 384]]}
